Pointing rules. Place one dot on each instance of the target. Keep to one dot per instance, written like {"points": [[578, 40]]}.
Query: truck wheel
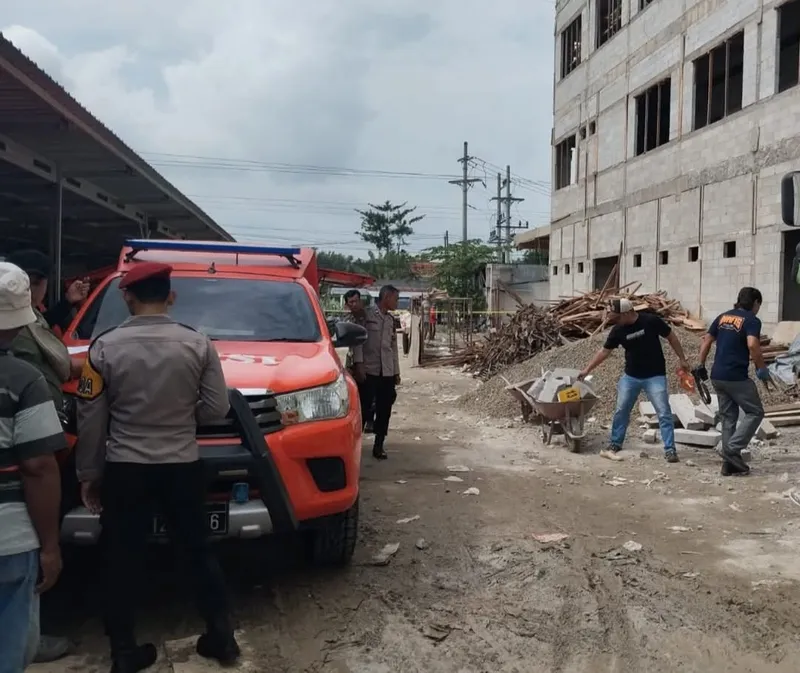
{"points": [[333, 539]]}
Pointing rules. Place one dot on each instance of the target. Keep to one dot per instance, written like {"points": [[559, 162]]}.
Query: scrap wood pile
{"points": [[585, 315], [533, 329]]}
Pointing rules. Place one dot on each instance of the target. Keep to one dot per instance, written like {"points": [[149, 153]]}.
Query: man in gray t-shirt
{"points": [[30, 485]]}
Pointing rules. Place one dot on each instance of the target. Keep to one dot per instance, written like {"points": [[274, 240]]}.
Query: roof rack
{"points": [[142, 244]]}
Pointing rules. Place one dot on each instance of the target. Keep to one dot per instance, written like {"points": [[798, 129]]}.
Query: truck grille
{"points": [[265, 410]]}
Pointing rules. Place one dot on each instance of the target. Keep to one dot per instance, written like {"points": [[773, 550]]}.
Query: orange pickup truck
{"points": [[287, 459]]}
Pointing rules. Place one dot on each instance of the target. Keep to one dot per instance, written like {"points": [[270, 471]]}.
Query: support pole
{"points": [[56, 237]]}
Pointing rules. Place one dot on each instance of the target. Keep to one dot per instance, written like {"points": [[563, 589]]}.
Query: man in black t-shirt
{"points": [[640, 335], [737, 334]]}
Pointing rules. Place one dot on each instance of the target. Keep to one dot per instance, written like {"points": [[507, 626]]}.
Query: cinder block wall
{"points": [[703, 188]]}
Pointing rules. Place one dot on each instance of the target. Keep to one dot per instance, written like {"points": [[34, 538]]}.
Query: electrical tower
{"points": [[504, 221], [464, 183]]}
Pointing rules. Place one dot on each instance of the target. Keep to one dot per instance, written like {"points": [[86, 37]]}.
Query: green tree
{"points": [[387, 226], [337, 261], [459, 269]]}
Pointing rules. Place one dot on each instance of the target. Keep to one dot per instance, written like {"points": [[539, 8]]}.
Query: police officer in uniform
{"points": [[144, 388]]}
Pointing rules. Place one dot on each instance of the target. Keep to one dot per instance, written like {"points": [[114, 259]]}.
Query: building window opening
{"points": [[694, 253], [555, 270], [566, 269], [652, 117], [609, 20], [566, 163], [718, 79], [637, 260], [580, 267], [663, 257], [729, 249], [788, 45], [571, 47]]}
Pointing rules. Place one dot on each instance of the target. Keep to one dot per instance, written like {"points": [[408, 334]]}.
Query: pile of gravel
{"points": [[491, 398]]}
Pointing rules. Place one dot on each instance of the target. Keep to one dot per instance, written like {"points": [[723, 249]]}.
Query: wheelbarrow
{"points": [[564, 418]]}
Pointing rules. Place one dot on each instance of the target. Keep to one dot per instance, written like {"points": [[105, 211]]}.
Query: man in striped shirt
{"points": [[30, 487]]}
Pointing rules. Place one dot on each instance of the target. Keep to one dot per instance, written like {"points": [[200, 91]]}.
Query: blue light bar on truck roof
{"points": [[143, 244]]}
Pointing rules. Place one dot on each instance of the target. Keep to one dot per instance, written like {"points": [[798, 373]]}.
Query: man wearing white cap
{"points": [[640, 335], [30, 486]]}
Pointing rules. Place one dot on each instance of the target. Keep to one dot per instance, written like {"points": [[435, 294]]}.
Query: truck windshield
{"points": [[224, 309]]}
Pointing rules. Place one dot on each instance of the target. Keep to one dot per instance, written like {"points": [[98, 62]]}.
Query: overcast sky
{"points": [[245, 105]]}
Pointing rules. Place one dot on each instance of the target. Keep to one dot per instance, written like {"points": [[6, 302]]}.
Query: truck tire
{"points": [[333, 539]]}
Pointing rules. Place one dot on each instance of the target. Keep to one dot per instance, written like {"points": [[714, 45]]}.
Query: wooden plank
{"points": [[784, 421], [683, 408], [782, 408]]}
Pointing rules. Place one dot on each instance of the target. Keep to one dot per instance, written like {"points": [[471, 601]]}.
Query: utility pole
{"points": [[499, 199], [464, 183], [507, 200]]}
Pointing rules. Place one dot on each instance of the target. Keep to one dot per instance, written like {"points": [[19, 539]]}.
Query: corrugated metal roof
{"points": [[41, 115]]}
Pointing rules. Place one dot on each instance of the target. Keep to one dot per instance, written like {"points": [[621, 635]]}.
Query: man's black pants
{"points": [[132, 494], [383, 394]]}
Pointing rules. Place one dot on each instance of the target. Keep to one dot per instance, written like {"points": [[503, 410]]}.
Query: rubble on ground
{"points": [[492, 399]]}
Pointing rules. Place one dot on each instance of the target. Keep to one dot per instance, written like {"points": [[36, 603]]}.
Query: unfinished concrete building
{"points": [[674, 121]]}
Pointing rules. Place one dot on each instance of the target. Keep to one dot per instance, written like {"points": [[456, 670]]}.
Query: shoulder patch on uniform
{"points": [[90, 384]]}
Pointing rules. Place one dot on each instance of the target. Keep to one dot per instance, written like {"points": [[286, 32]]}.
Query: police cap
{"points": [[145, 271]]}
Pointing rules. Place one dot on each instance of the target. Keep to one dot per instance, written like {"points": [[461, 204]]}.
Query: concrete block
{"points": [[766, 430], [646, 409], [704, 415], [650, 436], [684, 409], [705, 438]]}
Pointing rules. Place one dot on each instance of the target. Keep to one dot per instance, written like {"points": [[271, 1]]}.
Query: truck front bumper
{"points": [[245, 521]]}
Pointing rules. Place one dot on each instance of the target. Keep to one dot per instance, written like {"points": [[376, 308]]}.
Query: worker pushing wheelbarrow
{"points": [[560, 401]]}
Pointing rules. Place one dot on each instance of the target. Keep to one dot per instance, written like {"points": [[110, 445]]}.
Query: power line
{"points": [[250, 165]]}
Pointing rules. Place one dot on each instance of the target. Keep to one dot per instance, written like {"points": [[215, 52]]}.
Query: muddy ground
{"points": [[710, 586]]}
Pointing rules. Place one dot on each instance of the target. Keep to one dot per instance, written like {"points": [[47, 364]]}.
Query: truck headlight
{"points": [[315, 404]]}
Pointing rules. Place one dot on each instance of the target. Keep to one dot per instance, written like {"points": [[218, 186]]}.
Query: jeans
{"points": [[628, 390], [19, 611], [132, 493], [732, 396]]}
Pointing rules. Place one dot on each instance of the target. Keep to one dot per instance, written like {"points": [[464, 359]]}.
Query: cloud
{"points": [[396, 88]]}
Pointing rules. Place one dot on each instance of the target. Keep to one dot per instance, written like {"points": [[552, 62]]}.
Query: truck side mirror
{"points": [[347, 334], [790, 199]]}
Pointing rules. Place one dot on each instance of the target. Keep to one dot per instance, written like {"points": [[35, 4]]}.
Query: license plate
{"points": [[216, 521]]}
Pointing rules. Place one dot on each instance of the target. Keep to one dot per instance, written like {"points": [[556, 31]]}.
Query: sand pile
{"points": [[491, 399]]}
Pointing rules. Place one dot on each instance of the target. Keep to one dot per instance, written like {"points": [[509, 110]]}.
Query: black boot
{"points": [[377, 448], [218, 642], [131, 658]]}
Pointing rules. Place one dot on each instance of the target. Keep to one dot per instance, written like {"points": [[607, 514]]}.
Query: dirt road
{"points": [[663, 568]]}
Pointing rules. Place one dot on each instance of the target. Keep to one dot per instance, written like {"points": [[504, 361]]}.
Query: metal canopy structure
{"points": [[68, 184]]}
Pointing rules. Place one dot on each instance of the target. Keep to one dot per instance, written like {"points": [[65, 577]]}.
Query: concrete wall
{"points": [[529, 281], [703, 188]]}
